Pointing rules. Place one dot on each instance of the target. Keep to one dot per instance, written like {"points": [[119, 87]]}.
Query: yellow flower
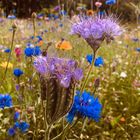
{"points": [[4, 64], [64, 45]]}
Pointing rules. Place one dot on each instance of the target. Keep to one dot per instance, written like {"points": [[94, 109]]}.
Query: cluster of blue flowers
{"points": [[22, 126], [32, 51], [5, 101], [98, 61], [86, 106]]}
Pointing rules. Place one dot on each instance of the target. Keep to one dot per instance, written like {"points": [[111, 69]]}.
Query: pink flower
{"points": [[98, 4], [18, 52]]}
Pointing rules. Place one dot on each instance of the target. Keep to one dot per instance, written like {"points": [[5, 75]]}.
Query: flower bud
{"points": [[14, 26], [97, 83], [98, 4], [34, 15]]}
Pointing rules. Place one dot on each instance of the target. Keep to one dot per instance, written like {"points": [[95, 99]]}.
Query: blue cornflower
{"points": [[86, 106], [17, 72], [101, 13], [99, 62], [63, 12], [89, 58], [32, 37], [61, 25], [39, 38], [37, 51], [29, 51], [138, 49], [16, 116], [16, 125], [7, 50], [23, 126], [39, 23], [11, 17], [11, 131], [45, 31], [40, 15], [56, 17], [5, 100], [110, 2]]}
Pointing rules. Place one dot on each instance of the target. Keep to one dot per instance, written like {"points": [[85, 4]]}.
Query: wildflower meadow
{"points": [[71, 73]]}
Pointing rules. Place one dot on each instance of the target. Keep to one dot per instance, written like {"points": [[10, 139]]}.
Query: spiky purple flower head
{"points": [[63, 69], [97, 29]]}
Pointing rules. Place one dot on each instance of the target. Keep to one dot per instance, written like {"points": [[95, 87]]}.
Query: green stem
{"points": [[66, 130], [83, 127], [86, 79], [48, 133], [66, 127], [9, 53], [45, 120], [34, 27]]}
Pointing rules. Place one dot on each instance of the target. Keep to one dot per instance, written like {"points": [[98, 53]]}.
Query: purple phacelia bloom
{"points": [[64, 70], [97, 29]]}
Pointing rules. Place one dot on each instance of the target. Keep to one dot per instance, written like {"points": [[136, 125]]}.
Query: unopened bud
{"points": [[97, 83], [34, 15], [14, 26]]}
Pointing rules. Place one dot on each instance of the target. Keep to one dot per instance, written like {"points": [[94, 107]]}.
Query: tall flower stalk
{"points": [[14, 27], [58, 78], [34, 26], [94, 30]]}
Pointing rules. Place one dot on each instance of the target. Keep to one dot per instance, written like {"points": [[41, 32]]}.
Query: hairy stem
{"points": [[87, 77]]}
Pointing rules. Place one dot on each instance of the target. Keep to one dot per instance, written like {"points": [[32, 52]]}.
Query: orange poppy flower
{"points": [[64, 45], [90, 12], [40, 43], [122, 120]]}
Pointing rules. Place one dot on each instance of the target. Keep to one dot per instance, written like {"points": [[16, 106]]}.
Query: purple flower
{"points": [[17, 87], [63, 69], [40, 64], [57, 8], [97, 29]]}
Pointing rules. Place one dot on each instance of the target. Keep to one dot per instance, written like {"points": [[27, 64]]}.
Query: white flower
{"points": [[123, 75]]}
